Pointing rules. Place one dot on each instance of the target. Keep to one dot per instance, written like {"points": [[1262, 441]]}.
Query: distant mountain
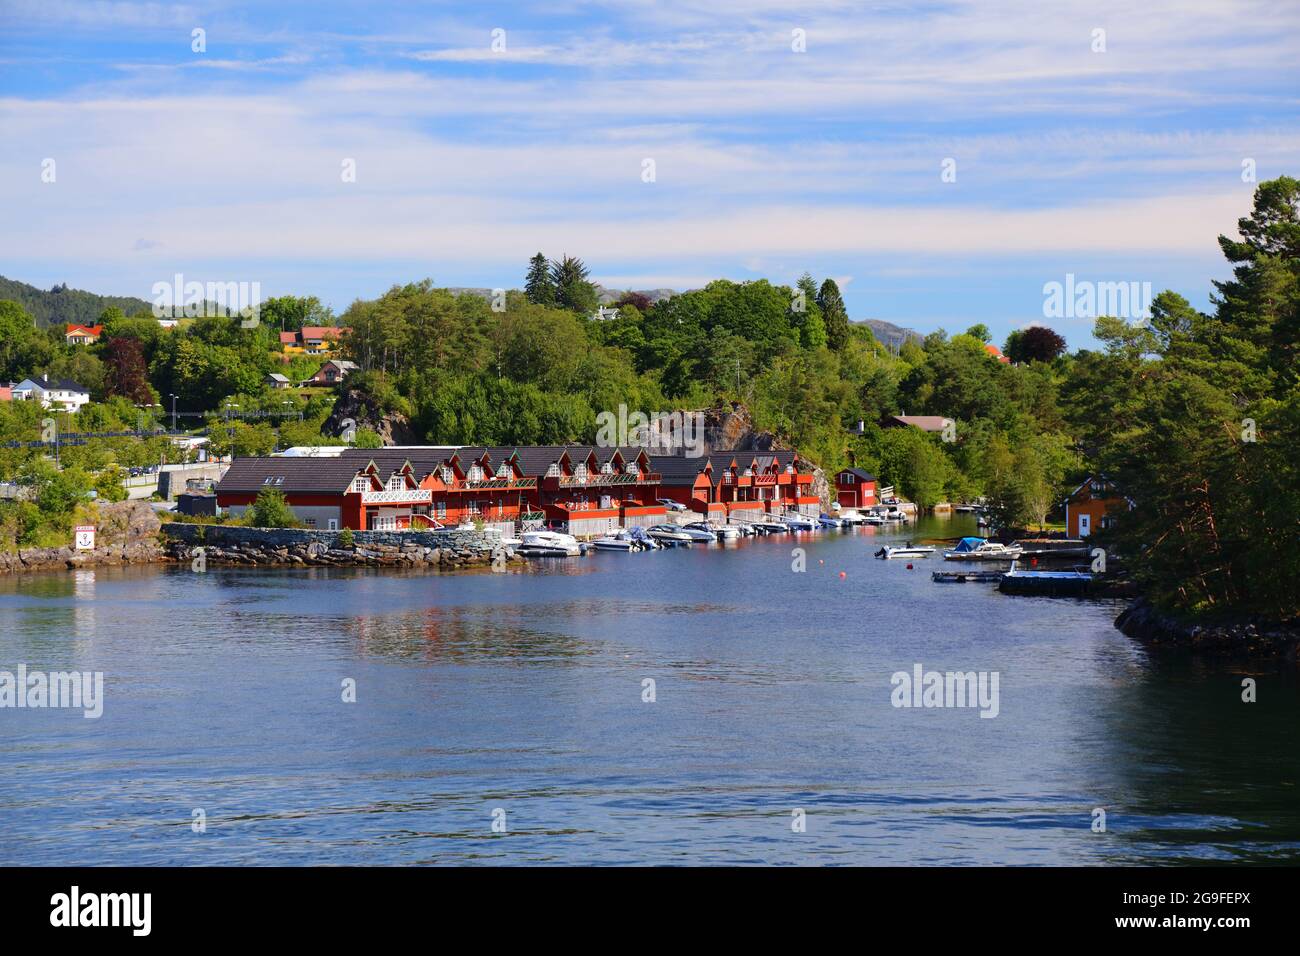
{"points": [[61, 304], [890, 335]]}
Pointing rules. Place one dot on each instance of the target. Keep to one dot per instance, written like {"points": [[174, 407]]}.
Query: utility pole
{"points": [[173, 411]]}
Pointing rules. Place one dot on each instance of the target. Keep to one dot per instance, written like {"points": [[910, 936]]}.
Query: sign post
{"points": [[85, 537]]}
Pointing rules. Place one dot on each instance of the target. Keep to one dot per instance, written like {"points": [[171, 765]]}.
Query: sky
{"points": [[942, 162]]}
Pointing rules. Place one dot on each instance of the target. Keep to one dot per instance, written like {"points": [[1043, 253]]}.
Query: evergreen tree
{"points": [[572, 290], [808, 319], [538, 287], [834, 315]]}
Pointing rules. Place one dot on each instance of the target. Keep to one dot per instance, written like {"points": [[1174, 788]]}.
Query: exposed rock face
{"points": [[126, 533], [1246, 637], [730, 428], [393, 427]]}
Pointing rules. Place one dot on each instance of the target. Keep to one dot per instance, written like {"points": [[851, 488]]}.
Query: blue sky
{"points": [[226, 165]]}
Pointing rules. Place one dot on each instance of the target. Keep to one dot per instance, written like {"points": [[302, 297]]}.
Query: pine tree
{"points": [[808, 319], [538, 287], [834, 316], [572, 290]]}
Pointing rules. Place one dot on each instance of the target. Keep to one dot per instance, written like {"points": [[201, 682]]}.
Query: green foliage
{"points": [[62, 305], [345, 539], [834, 314], [270, 510]]}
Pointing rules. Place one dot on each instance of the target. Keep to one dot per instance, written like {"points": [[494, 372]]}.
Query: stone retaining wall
{"points": [[222, 544]]}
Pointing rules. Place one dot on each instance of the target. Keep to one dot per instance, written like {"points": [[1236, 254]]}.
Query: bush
{"points": [[345, 538], [270, 510]]}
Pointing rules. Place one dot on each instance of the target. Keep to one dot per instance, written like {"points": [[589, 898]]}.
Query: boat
{"points": [[799, 522], [908, 550], [981, 549], [772, 526], [873, 519], [717, 530], [669, 534], [511, 543], [697, 533], [851, 516], [549, 544], [827, 521]]}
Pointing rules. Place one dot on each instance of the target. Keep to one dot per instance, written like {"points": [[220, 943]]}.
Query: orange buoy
{"points": [[843, 575]]}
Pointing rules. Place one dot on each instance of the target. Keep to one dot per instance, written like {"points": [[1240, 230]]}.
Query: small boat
{"points": [[873, 519], [716, 530], [981, 549], [549, 544], [669, 534], [511, 543], [728, 531], [851, 516], [799, 522], [697, 533], [772, 526], [827, 521], [908, 550]]}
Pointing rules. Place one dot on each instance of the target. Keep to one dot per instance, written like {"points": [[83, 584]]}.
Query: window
{"points": [[475, 472], [503, 471], [309, 522], [361, 483], [396, 483], [440, 510], [632, 469], [553, 471], [607, 468], [446, 475]]}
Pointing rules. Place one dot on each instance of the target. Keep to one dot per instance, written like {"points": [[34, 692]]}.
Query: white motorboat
{"points": [[873, 519], [980, 549], [851, 516], [549, 544], [827, 521], [669, 534], [772, 526], [908, 550], [716, 530], [699, 531], [800, 522]]}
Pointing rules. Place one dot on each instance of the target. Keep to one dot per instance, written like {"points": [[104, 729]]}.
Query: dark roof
{"points": [[66, 384], [864, 475], [329, 475], [678, 469]]}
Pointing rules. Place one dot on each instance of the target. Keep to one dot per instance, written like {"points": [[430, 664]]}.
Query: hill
{"points": [[890, 335], [61, 304]]}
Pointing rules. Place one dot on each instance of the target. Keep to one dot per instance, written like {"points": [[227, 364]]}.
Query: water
{"points": [[522, 692]]}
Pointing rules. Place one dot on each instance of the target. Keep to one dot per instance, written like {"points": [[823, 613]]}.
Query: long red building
{"points": [[583, 489]]}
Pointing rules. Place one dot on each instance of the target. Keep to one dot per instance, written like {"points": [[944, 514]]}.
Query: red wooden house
{"points": [[1094, 506], [855, 488]]}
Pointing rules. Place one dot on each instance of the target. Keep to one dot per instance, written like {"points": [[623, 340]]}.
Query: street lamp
{"points": [[173, 394]]}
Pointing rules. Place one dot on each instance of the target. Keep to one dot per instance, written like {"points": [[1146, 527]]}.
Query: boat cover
{"points": [[968, 544]]}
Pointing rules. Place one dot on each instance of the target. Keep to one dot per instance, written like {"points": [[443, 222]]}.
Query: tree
{"points": [[538, 286], [270, 510], [835, 316], [572, 290], [980, 331], [1034, 344], [126, 374], [807, 317], [23, 349]]}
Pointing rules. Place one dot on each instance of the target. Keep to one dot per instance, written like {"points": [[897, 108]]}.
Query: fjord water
{"points": [[523, 692]]}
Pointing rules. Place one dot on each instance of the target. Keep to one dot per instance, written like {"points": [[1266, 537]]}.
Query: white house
{"points": [[64, 392]]}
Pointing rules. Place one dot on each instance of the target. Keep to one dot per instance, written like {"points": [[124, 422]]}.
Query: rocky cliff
{"points": [[126, 533]]}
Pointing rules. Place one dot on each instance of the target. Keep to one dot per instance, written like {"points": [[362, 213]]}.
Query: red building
{"points": [[855, 488], [1093, 506]]}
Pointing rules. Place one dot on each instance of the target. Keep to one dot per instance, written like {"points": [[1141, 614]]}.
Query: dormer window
{"points": [[553, 471], [580, 470], [396, 483], [632, 469], [607, 468], [475, 472], [446, 474], [504, 470], [361, 483], [789, 469], [749, 472]]}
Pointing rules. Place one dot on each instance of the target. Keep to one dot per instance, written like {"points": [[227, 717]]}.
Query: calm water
{"points": [[523, 692]]}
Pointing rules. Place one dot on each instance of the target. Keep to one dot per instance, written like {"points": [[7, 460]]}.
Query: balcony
{"points": [[496, 484], [605, 481], [403, 496], [765, 479]]}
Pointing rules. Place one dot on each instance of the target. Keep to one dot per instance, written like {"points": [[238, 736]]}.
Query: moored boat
{"points": [[669, 534], [981, 549], [549, 544], [908, 550]]}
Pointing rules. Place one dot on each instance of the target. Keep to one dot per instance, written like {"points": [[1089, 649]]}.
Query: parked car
{"points": [[671, 505]]}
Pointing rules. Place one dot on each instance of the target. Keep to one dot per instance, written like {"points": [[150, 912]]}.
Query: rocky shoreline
{"points": [[127, 533], [1245, 637]]}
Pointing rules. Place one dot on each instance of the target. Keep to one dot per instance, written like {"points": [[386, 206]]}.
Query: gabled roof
{"points": [[862, 475], [678, 469], [927, 423], [322, 331], [50, 385], [95, 330], [303, 475]]}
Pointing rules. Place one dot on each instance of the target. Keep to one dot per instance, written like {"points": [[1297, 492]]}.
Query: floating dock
{"points": [[962, 577]]}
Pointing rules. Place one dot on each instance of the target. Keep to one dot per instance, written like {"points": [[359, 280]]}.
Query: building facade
{"points": [[1094, 506]]}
